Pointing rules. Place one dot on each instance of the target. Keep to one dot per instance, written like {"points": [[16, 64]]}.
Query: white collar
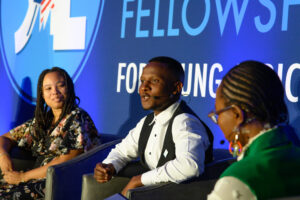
{"points": [[164, 116]]}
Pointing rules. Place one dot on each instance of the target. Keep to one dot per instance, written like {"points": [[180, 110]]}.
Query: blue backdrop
{"points": [[105, 44]]}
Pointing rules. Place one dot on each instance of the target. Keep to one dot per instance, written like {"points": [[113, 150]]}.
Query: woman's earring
{"points": [[235, 147]]}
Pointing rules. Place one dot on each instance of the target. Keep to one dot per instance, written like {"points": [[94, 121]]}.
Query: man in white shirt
{"points": [[172, 142]]}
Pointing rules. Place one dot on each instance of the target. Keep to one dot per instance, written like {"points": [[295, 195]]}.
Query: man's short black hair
{"points": [[172, 64]]}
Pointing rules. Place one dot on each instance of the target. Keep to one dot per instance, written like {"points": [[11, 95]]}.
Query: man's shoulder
{"points": [[187, 121], [186, 117]]}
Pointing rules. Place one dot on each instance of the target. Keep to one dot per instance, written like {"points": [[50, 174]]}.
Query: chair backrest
{"points": [[64, 180]]}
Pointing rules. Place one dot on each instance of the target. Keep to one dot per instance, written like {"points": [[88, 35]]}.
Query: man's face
{"points": [[157, 87]]}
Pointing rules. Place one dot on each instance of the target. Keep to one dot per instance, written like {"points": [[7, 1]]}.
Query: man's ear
{"points": [[178, 87], [239, 115]]}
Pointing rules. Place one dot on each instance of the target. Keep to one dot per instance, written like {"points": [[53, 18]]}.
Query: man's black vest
{"points": [[169, 144]]}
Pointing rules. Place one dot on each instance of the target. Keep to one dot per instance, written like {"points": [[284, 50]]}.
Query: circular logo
{"points": [[40, 34]]}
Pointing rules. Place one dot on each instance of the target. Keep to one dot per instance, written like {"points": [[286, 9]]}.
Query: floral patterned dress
{"points": [[76, 131]]}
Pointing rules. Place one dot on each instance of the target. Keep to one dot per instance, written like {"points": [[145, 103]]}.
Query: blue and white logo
{"points": [[40, 34]]}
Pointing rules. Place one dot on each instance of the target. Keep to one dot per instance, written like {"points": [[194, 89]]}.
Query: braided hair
{"points": [[257, 90], [43, 115]]}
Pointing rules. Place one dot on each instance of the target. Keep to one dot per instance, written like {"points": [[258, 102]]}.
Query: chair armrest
{"points": [[64, 180], [196, 188], [134, 193], [108, 137], [89, 187], [191, 190], [92, 190]]}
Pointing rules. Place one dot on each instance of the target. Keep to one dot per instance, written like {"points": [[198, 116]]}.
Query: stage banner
{"points": [[104, 45]]}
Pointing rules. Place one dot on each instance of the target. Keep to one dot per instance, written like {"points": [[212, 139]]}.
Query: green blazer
{"points": [[270, 166]]}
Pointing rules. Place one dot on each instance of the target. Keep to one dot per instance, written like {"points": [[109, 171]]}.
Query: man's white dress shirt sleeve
{"points": [[191, 141], [127, 149]]}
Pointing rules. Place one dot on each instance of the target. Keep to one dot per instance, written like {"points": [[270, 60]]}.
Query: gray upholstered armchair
{"points": [[68, 180], [64, 181], [197, 188]]}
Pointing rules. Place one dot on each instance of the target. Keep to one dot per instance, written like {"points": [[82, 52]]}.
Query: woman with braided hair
{"points": [[59, 131], [252, 114]]}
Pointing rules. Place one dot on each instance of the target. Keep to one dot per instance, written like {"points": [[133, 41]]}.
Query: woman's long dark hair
{"points": [[43, 115]]}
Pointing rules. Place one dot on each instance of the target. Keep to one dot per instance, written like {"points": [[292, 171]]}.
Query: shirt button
{"points": [[149, 153], [155, 135]]}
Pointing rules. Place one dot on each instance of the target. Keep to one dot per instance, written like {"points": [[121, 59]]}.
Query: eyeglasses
{"points": [[213, 115]]}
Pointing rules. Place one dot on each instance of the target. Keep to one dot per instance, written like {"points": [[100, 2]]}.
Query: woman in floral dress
{"points": [[59, 131]]}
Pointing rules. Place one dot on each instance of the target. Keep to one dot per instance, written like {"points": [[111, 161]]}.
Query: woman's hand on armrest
{"points": [[39, 172]]}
